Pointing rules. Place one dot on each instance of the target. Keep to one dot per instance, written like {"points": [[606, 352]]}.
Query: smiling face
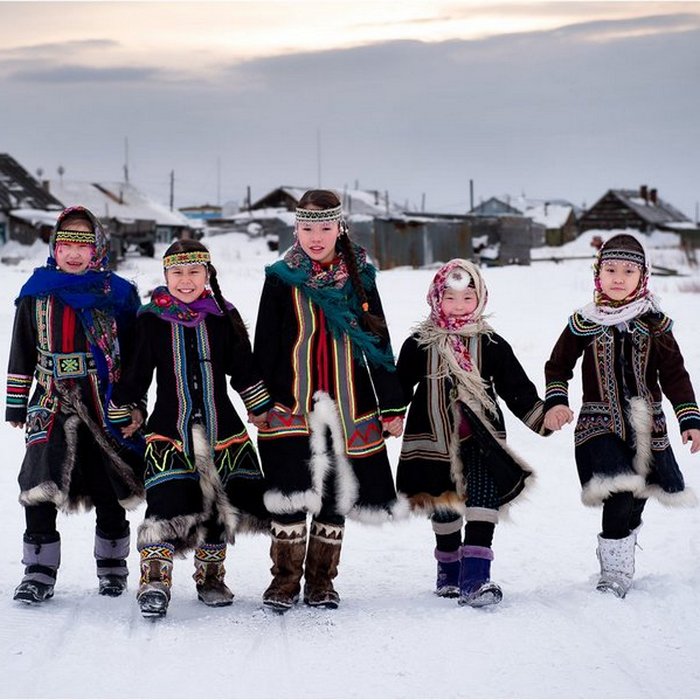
{"points": [[186, 282], [459, 302], [317, 238], [619, 279], [75, 258]]}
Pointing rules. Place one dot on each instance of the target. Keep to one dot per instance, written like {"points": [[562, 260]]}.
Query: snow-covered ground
{"points": [[553, 636]]}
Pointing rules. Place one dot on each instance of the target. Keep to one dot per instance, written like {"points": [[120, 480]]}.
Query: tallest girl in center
{"points": [[322, 345]]}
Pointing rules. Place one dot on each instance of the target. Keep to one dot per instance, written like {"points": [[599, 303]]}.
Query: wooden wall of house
{"points": [[611, 213]]}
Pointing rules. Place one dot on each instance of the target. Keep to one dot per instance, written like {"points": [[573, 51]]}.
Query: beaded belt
{"points": [[70, 365]]}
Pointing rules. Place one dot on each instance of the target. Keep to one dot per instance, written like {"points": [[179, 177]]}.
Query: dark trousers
{"points": [[622, 513]]}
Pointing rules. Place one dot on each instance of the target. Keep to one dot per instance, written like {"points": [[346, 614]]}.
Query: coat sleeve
{"points": [[390, 396], [675, 382], [559, 369], [410, 368], [514, 386], [241, 367], [22, 362]]}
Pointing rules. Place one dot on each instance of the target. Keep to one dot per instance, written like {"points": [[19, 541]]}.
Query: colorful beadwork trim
{"points": [[82, 237], [192, 257], [314, 215], [18, 386]]}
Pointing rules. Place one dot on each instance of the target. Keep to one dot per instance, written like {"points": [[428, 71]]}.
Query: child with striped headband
{"points": [[73, 327], [630, 360], [203, 480], [323, 347]]}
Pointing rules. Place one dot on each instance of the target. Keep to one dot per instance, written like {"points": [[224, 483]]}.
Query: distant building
{"points": [[642, 210], [203, 212], [27, 210]]}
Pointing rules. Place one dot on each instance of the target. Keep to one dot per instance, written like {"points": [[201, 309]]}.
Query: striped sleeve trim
{"points": [[557, 391], [687, 412], [118, 415], [256, 398], [18, 386]]}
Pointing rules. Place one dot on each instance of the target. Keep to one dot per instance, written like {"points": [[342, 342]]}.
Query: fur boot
{"points": [[616, 559], [41, 559], [475, 586], [448, 567], [322, 561], [209, 572], [287, 550], [156, 579], [110, 555]]}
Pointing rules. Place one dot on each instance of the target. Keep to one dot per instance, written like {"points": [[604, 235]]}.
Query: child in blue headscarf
{"points": [[72, 325]]}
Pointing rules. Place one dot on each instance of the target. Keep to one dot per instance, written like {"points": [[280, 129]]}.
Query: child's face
{"points": [[459, 302], [75, 258], [186, 282], [317, 238], [618, 279]]}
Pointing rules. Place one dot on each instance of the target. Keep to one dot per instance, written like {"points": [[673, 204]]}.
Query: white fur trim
{"points": [[184, 528], [483, 515], [599, 488], [684, 499], [639, 414], [278, 502]]}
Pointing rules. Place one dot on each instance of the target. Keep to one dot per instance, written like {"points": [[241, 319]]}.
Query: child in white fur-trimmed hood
{"points": [[622, 449], [454, 460]]}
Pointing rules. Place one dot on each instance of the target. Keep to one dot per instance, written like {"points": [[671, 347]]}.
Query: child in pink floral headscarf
{"points": [[454, 461]]}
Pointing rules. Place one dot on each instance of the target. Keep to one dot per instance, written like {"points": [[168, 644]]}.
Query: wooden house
{"points": [[27, 210]]}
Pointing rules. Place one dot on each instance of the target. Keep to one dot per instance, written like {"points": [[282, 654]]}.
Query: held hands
{"points": [[393, 426], [692, 436], [557, 417], [259, 421], [17, 424], [136, 422]]}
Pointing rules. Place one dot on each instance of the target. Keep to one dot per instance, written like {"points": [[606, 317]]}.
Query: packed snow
{"points": [[552, 636]]}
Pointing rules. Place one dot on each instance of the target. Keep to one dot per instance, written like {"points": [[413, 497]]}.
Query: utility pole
{"points": [[471, 195], [172, 189], [126, 160]]}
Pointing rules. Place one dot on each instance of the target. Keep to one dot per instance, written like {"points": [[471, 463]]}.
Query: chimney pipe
{"points": [[652, 195], [644, 193]]}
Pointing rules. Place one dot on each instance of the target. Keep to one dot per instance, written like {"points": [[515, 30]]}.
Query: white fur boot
{"points": [[616, 559]]}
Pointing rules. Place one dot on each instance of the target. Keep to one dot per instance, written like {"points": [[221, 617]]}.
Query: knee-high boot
{"points": [[616, 559], [287, 551], [209, 575], [41, 558], [110, 556], [156, 579], [322, 560]]}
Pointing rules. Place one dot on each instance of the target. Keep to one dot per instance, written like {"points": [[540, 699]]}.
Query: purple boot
{"points": [[447, 584], [475, 586]]}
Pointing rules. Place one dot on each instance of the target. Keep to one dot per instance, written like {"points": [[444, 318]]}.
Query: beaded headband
{"points": [[334, 214], [82, 237], [635, 257], [192, 257]]}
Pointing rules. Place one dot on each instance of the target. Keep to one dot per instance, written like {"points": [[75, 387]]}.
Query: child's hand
{"points": [[259, 421], [17, 424], [393, 426], [692, 436], [557, 417], [136, 423]]}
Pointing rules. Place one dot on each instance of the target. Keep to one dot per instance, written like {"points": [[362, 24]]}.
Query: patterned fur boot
{"points": [[616, 559], [475, 586], [287, 550], [448, 566], [41, 559], [153, 595], [209, 575], [110, 555], [322, 561]]}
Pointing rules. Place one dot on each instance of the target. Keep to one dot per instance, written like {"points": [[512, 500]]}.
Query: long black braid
{"points": [[189, 245]]}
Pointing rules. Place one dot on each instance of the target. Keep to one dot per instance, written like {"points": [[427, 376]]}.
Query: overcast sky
{"points": [[553, 100]]}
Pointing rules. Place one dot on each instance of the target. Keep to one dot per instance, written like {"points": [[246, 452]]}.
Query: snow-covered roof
{"points": [[549, 215], [116, 200], [36, 217], [655, 212], [370, 202]]}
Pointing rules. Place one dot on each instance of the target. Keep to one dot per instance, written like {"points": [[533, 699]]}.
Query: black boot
{"points": [[110, 555], [41, 558]]}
